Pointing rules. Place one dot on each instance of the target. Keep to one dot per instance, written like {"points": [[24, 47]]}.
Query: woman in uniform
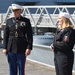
{"points": [[63, 44]]}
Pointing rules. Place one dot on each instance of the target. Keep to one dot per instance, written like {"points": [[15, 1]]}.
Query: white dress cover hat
{"points": [[65, 14], [16, 6]]}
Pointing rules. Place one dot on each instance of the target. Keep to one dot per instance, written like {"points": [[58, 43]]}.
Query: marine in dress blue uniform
{"points": [[18, 41]]}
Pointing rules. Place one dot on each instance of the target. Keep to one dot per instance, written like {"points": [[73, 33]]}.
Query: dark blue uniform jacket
{"points": [[64, 40], [24, 39]]}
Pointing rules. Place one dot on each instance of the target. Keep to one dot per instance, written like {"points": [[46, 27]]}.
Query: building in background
{"points": [[4, 4]]}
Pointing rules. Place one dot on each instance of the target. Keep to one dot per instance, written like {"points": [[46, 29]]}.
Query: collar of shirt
{"points": [[12, 15]]}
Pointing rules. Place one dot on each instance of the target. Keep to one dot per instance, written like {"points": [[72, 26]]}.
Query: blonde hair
{"points": [[66, 23]]}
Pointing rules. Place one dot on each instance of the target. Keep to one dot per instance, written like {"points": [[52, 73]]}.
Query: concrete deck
{"points": [[32, 68]]}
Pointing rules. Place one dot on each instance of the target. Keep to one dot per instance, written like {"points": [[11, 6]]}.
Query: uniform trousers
{"points": [[64, 63], [16, 63]]}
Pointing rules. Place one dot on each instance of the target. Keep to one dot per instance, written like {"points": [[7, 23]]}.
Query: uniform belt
{"points": [[12, 36]]}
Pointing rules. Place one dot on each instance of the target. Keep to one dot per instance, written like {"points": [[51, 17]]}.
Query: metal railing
{"points": [[43, 16]]}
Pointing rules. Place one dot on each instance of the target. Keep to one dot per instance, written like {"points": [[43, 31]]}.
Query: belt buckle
{"points": [[16, 34]]}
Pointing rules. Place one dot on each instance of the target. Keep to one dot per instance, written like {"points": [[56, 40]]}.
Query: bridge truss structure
{"points": [[43, 16]]}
